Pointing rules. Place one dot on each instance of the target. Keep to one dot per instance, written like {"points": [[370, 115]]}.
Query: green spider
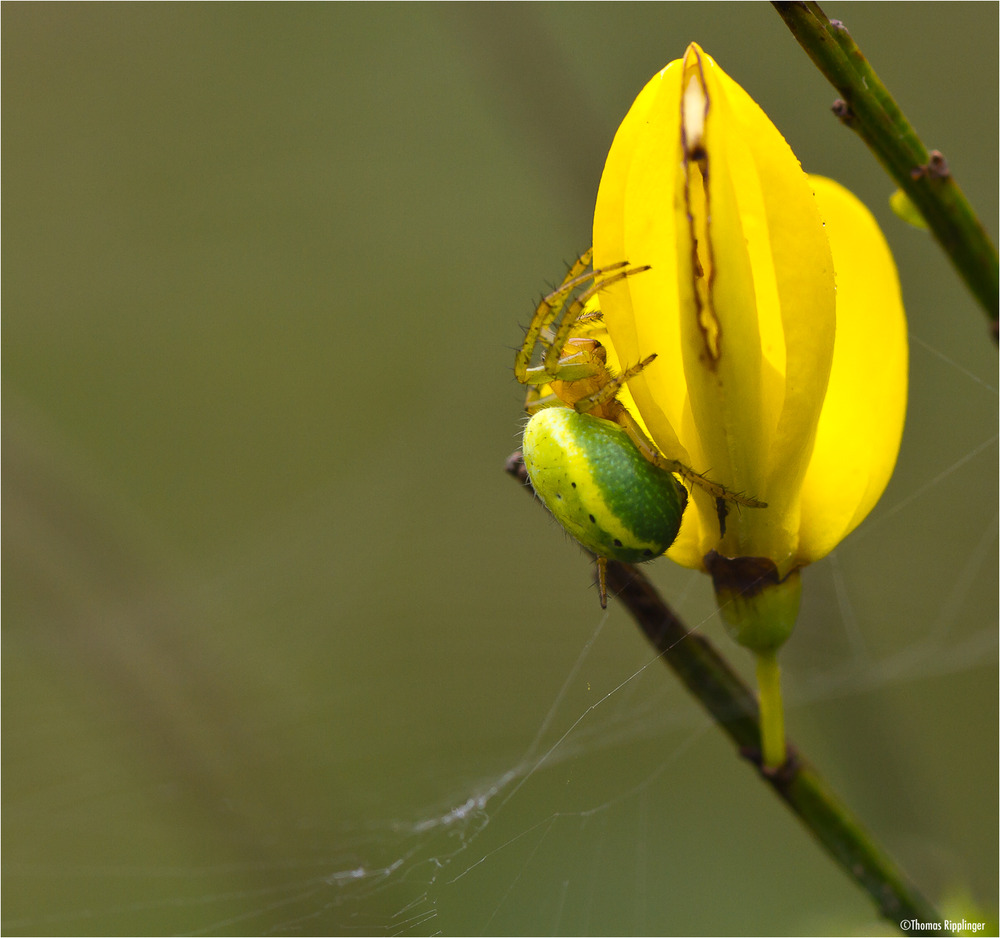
{"points": [[587, 457]]}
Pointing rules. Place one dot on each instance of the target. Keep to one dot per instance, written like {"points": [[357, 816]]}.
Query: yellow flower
{"points": [[773, 308], [774, 312]]}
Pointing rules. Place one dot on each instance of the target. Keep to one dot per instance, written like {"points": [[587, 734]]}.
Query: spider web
{"points": [[620, 801]]}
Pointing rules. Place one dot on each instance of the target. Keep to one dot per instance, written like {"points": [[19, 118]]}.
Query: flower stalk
{"points": [[773, 749]]}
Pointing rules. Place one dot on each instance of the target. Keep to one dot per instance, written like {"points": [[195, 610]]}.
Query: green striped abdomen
{"points": [[599, 486]]}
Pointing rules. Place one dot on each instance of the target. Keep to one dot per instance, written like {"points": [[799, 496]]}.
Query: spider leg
{"points": [[602, 580], [577, 310], [594, 317], [571, 366], [534, 401], [610, 390], [719, 492], [548, 309]]}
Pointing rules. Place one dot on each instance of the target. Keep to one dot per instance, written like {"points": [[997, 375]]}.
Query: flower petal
{"points": [[862, 421]]}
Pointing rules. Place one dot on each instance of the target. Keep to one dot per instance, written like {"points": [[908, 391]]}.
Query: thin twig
{"points": [[722, 692], [869, 109]]}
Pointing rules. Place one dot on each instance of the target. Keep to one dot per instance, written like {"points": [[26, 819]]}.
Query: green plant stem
{"points": [[722, 692], [869, 110], [772, 713]]}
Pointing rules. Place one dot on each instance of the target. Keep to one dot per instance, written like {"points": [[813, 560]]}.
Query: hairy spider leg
{"points": [[602, 580], [609, 391], [542, 332], [534, 401], [548, 309], [547, 312], [576, 312], [719, 492]]}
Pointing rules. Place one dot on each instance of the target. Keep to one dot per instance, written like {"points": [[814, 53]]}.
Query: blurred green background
{"points": [[283, 644]]}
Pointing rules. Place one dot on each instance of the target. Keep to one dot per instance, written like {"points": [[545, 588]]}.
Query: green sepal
{"points": [[758, 608]]}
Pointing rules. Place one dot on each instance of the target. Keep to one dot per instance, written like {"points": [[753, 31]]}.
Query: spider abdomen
{"points": [[599, 487]]}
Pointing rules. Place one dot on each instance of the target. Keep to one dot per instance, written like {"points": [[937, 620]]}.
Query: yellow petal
{"points": [[862, 420]]}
